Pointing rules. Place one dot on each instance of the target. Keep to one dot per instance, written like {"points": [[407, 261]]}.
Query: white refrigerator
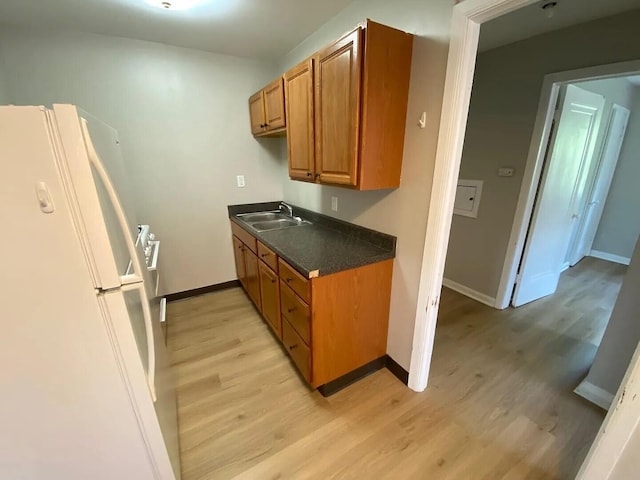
{"points": [[85, 385]]}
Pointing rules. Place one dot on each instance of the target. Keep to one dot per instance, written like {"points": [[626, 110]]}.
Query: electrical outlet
{"points": [[505, 172], [334, 204], [240, 181]]}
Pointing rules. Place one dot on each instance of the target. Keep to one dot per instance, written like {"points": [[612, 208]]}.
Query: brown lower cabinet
{"points": [[270, 294], [238, 252], [330, 325]]}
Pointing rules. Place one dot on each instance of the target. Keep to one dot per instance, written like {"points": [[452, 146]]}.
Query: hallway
{"points": [[499, 404]]}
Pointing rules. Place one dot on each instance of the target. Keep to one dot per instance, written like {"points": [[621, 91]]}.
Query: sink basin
{"points": [[286, 222], [272, 220], [263, 216]]}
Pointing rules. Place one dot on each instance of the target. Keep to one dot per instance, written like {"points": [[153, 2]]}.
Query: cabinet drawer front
{"points": [[295, 311], [245, 236], [298, 351], [268, 256], [297, 282]]}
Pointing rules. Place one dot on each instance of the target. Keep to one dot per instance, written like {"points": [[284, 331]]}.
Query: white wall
{"points": [[620, 225], [401, 212], [183, 121], [504, 103]]}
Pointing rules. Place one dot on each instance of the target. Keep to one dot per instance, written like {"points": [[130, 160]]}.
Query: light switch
{"points": [[240, 181]]}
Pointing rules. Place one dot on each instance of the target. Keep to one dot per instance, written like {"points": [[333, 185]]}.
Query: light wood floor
{"points": [[499, 404]]}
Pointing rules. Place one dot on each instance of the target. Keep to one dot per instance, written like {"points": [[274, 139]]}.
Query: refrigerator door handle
{"points": [[129, 281], [94, 158]]}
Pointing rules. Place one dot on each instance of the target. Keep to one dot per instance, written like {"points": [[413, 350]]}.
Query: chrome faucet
{"points": [[287, 208]]}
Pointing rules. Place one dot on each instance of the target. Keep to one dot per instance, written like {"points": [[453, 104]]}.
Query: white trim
{"points": [[610, 257], [469, 292], [463, 48], [594, 394], [535, 159], [618, 427]]}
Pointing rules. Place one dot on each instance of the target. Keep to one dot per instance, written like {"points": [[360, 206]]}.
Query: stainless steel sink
{"points": [[262, 216], [274, 220]]}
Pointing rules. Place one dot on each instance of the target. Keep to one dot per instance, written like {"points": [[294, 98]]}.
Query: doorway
{"points": [[587, 133], [462, 54]]}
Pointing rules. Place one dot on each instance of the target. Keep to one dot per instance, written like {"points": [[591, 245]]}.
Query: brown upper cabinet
{"points": [[266, 110], [298, 89], [356, 117]]}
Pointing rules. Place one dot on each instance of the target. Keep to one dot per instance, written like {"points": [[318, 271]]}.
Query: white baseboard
{"points": [[610, 257], [594, 394], [468, 292]]}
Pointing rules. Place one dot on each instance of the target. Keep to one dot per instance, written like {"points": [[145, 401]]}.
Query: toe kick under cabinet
{"points": [[331, 326]]}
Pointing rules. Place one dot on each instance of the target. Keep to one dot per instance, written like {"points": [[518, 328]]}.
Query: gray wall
{"points": [[503, 111], [622, 334], [401, 212], [620, 225], [183, 121], [4, 91]]}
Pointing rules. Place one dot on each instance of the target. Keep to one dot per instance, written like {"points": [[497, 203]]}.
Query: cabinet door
{"points": [[337, 94], [238, 253], [298, 83], [274, 106], [253, 277], [256, 112], [270, 293]]}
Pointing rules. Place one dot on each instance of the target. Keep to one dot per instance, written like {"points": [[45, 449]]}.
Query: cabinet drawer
{"points": [[268, 256], [297, 282], [248, 239], [298, 351], [295, 311]]}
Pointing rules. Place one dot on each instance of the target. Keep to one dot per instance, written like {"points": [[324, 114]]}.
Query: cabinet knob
{"points": [[263, 255], [288, 279], [293, 347], [317, 175], [273, 281], [309, 174], [291, 310]]}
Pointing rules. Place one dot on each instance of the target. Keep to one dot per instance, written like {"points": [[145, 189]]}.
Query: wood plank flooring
{"points": [[499, 405]]}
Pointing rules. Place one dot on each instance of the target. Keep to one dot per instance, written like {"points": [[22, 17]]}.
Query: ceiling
{"points": [[265, 29], [532, 20]]}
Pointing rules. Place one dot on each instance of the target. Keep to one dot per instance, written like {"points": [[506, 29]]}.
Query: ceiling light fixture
{"points": [[175, 4], [548, 8]]}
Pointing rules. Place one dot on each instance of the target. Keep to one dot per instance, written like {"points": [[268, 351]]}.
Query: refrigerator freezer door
{"points": [[98, 186]]}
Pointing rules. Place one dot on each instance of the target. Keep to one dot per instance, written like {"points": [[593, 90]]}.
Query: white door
{"points": [[562, 190], [614, 137]]}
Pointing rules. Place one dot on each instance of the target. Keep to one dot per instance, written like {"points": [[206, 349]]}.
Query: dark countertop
{"points": [[326, 246]]}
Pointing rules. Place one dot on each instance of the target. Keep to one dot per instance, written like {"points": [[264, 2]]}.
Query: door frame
{"points": [[463, 48], [535, 160]]}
